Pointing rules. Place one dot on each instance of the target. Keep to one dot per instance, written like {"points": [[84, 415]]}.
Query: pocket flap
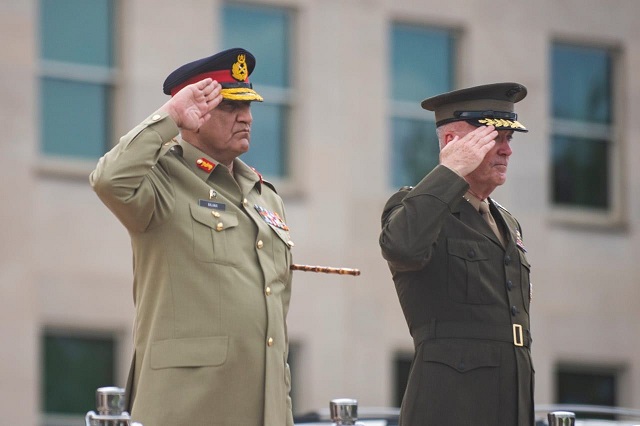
{"points": [[194, 352], [461, 356], [205, 216], [467, 249]]}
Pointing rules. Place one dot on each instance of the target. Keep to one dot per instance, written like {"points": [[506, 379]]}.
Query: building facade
{"points": [[341, 129]]}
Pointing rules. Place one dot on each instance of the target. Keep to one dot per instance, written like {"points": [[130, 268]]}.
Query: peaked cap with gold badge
{"points": [[486, 105], [231, 68]]}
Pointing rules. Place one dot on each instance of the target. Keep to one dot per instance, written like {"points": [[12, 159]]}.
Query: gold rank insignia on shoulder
{"points": [[501, 122], [205, 164], [239, 69]]}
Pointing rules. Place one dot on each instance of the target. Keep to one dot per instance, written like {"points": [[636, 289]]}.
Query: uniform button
{"points": [[290, 243], [260, 244], [219, 226], [509, 285], [267, 291], [270, 341], [507, 260], [461, 366], [156, 117], [514, 311], [471, 253], [245, 202], [215, 214]]}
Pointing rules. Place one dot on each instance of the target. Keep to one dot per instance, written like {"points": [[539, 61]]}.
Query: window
{"points": [[401, 369], [76, 61], [421, 65], [73, 367], [585, 386], [583, 140], [265, 32]]}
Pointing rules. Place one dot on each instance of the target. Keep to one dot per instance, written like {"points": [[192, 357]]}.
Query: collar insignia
{"points": [[205, 164]]}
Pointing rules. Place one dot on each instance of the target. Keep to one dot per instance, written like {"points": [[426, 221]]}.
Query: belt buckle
{"points": [[518, 338]]}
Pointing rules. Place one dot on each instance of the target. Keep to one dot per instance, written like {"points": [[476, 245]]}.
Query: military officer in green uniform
{"points": [[211, 255], [461, 273]]}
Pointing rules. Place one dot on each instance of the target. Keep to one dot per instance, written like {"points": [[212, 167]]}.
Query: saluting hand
{"points": [[464, 154], [192, 105]]}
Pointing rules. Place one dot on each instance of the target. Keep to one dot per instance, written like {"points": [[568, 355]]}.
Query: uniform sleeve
{"points": [[412, 219], [129, 179]]}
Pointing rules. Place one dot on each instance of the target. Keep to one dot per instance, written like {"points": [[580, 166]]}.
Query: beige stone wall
{"points": [[66, 262]]}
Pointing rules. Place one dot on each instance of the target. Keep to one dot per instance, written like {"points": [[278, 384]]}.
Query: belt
{"points": [[513, 333]]}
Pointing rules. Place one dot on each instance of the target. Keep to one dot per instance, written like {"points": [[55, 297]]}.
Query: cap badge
{"points": [[500, 122], [239, 69], [205, 164]]}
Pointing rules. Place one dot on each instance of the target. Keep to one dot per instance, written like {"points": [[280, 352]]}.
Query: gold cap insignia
{"points": [[239, 69]]}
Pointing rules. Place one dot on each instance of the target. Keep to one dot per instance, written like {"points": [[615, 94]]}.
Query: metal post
{"points": [[561, 418]]}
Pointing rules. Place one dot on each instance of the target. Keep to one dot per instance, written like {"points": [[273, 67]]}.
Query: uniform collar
{"points": [[204, 167]]}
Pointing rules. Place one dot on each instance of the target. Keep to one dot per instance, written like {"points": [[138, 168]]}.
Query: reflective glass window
{"points": [[582, 126], [421, 65], [76, 65], [265, 32]]}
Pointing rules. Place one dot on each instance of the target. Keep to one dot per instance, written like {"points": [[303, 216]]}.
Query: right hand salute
{"points": [[191, 106], [464, 154]]}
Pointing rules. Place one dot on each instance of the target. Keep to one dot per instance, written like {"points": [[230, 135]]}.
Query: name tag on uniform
{"points": [[212, 205]]}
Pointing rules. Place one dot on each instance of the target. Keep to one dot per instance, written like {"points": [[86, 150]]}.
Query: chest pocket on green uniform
{"points": [[468, 261], [213, 234]]}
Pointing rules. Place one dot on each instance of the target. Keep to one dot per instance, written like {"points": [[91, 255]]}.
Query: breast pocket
{"points": [[213, 232], [468, 261]]}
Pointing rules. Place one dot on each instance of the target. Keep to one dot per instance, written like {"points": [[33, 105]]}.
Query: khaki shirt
{"points": [[211, 281]]}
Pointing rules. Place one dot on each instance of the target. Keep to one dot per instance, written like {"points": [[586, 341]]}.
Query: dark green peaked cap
{"points": [[489, 104]]}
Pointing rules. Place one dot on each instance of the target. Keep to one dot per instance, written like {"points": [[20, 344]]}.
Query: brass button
{"points": [[215, 214], [156, 117], [270, 341], [260, 244], [290, 243], [219, 226], [267, 291], [245, 202]]}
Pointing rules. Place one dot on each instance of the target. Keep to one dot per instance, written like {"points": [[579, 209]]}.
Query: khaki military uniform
{"points": [[466, 300], [212, 284]]}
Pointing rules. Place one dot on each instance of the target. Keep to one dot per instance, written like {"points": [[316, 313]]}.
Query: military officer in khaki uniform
{"points": [[211, 255], [462, 277]]}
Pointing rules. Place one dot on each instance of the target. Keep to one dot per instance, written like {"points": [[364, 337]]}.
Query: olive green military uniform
{"points": [[212, 283], [466, 300]]}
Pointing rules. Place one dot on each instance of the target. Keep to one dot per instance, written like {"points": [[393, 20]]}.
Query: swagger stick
{"points": [[325, 269]]}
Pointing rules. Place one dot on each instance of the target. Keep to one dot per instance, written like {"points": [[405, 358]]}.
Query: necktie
{"points": [[486, 215]]}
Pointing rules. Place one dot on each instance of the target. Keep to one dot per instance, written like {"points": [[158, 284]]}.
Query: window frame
{"points": [[612, 218], [107, 77], [280, 97], [114, 334], [410, 110]]}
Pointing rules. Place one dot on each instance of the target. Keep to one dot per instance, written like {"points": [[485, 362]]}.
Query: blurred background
{"points": [[340, 130]]}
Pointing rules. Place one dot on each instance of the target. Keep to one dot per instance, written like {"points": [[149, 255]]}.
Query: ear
{"points": [[448, 137]]}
